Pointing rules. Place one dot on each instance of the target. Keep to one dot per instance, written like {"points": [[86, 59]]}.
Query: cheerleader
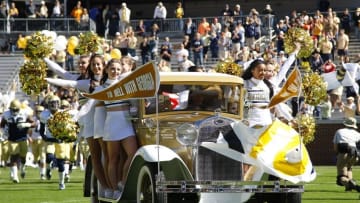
{"points": [[119, 135], [87, 115], [258, 94]]}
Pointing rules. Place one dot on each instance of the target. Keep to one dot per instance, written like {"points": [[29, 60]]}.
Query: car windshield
{"points": [[195, 98]]}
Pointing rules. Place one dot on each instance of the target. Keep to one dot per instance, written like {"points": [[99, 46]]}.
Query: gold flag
{"points": [[290, 89], [141, 83]]}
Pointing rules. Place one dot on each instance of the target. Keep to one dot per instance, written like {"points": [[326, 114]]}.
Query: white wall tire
{"points": [[145, 187]]}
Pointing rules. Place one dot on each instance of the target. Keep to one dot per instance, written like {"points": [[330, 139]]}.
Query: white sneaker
{"points": [[16, 180], [61, 186], [108, 193], [67, 178], [117, 194]]}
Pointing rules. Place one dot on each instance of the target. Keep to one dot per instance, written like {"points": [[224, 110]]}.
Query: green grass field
{"points": [[33, 190]]}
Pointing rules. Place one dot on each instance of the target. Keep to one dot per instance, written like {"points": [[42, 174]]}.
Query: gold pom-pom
{"points": [[314, 88], [305, 65], [306, 127], [89, 42], [32, 76], [228, 66], [299, 35], [38, 46], [63, 127]]}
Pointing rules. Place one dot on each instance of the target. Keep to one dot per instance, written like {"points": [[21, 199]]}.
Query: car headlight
{"points": [[187, 134]]}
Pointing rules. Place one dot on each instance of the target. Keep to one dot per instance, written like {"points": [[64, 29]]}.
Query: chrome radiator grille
{"points": [[211, 165]]}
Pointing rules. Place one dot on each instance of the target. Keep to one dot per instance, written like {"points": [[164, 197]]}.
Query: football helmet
{"points": [[15, 106], [64, 104], [53, 102]]}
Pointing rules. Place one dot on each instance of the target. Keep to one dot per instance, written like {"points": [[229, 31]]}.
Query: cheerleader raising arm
{"points": [[58, 70], [82, 85]]}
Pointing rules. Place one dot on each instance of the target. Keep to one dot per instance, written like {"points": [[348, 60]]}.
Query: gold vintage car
{"points": [[171, 165]]}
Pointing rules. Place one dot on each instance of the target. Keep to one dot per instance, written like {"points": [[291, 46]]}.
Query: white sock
{"points": [[42, 170], [66, 167], [61, 177], [14, 171]]}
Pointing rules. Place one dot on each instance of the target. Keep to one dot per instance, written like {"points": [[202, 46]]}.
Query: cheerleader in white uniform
{"points": [[258, 94], [275, 77], [119, 134], [87, 118]]}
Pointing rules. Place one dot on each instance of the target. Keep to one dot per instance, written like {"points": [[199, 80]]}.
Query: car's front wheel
{"points": [[145, 189]]}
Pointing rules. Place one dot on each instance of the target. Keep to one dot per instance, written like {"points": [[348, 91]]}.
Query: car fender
{"points": [[171, 166], [155, 153]]}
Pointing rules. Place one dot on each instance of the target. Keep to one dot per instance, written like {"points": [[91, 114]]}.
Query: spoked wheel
{"points": [[145, 189]]}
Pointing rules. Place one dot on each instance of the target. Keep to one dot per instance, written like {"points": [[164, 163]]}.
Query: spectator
{"points": [[269, 16], [140, 29], [206, 40], [132, 44], [238, 39], [160, 13], [43, 12], [165, 53], [328, 66], [94, 12], [145, 50], [13, 13], [349, 107], [316, 62], [3, 9], [154, 31], [179, 14], [189, 28], [77, 12], [214, 45], [326, 47], [124, 14], [257, 24], [187, 44], [215, 27], [30, 10], [317, 29], [69, 62], [164, 66], [237, 11], [85, 19], [325, 109], [112, 18], [226, 13], [280, 42], [56, 13], [167, 42], [197, 47], [342, 45], [249, 31], [153, 46], [345, 21], [223, 44], [185, 64], [181, 53], [203, 27], [356, 19], [124, 44]]}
